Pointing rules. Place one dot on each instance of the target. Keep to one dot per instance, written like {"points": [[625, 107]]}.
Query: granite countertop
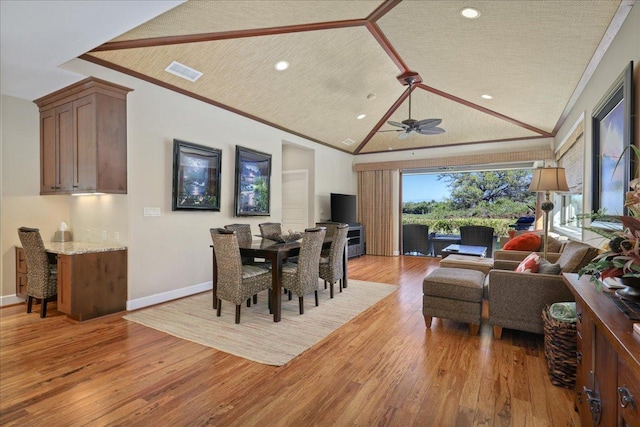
{"points": [[76, 248]]}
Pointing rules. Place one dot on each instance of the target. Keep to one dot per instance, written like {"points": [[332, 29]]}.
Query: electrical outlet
{"points": [[104, 235], [116, 236]]}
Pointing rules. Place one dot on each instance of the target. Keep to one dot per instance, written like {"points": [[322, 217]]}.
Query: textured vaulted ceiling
{"points": [[345, 58]]}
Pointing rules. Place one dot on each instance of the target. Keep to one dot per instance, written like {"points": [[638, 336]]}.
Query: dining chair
{"points": [[332, 229], [332, 267], [236, 282], [243, 232], [42, 277], [302, 278], [477, 235], [270, 229]]}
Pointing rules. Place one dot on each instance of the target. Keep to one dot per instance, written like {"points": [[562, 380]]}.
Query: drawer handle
{"points": [[595, 406], [579, 316], [625, 397]]}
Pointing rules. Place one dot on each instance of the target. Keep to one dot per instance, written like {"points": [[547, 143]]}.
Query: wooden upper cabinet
{"points": [[83, 139]]}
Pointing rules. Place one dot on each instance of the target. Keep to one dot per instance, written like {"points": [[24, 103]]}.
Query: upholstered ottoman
{"points": [[455, 294], [467, 262]]}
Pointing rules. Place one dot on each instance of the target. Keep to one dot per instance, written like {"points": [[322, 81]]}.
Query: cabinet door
{"points": [[48, 152], [64, 284], [84, 147], [65, 140], [628, 396], [585, 366]]}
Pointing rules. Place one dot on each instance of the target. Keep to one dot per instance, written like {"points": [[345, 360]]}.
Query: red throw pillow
{"points": [[524, 242], [530, 264]]}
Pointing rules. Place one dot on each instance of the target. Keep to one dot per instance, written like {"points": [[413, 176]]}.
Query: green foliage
{"points": [[472, 188], [452, 225], [492, 198]]}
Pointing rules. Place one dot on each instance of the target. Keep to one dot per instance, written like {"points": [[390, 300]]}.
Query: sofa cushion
{"points": [[576, 255], [524, 242], [530, 264], [548, 268]]}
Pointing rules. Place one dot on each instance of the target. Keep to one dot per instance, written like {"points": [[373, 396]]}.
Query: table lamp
{"points": [[545, 180]]}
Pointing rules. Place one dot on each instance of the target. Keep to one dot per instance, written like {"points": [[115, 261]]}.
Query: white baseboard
{"points": [[168, 296], [10, 299]]}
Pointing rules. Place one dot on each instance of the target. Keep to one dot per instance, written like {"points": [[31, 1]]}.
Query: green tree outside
{"points": [[491, 198]]}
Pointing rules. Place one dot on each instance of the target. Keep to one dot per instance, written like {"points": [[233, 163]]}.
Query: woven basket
{"points": [[560, 345]]}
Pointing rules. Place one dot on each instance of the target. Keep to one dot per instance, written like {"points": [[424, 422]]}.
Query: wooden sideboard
{"points": [[608, 374]]}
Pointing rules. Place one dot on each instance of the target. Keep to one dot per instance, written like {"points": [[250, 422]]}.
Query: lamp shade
{"points": [[549, 179]]}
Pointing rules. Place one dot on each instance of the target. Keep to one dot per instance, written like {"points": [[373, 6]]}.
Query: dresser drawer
{"points": [[21, 261]]}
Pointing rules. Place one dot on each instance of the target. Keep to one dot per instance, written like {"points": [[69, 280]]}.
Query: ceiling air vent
{"points": [[183, 71], [348, 141]]}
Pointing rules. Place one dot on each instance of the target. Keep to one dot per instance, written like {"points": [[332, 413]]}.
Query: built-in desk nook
{"points": [[92, 278]]}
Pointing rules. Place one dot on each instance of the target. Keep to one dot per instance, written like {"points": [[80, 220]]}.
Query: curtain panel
{"points": [[375, 210]]}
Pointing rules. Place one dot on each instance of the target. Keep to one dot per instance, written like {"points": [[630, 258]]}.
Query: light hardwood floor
{"points": [[382, 368]]}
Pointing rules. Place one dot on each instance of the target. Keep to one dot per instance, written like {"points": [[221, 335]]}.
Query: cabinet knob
{"points": [[579, 357], [595, 406], [579, 316], [625, 397]]}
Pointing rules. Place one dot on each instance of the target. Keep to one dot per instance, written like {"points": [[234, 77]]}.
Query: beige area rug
{"points": [[258, 337]]}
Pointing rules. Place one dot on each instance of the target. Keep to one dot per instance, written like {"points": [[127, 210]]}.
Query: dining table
{"points": [[276, 253]]}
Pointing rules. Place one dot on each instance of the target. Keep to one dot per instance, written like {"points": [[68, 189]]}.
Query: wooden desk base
{"points": [[92, 284]]}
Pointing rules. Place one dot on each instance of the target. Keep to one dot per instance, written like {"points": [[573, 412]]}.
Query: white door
{"points": [[295, 200]]}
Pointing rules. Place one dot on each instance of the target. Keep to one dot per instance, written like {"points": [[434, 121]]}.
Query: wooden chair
{"points": [[42, 277], [332, 267], [236, 282], [302, 278]]}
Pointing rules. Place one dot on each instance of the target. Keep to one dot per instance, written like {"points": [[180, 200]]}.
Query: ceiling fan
{"points": [[423, 127]]}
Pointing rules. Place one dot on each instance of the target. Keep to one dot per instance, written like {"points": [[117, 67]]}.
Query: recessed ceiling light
{"points": [[282, 65], [361, 116], [486, 96], [470, 13]]}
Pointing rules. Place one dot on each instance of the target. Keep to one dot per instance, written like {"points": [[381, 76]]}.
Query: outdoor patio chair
{"points": [[477, 235], [415, 239]]}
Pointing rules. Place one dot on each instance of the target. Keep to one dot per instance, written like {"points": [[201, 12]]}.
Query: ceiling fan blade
{"points": [[428, 123], [400, 125], [391, 130], [430, 131], [404, 135]]}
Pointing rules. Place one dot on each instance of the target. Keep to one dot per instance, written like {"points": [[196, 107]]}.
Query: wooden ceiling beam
{"points": [[382, 10], [377, 33], [484, 110], [225, 35], [384, 119], [124, 70]]}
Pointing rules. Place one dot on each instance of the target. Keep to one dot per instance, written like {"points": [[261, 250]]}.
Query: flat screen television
{"points": [[343, 208]]}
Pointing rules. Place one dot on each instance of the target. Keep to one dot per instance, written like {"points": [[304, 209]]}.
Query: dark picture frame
{"points": [[196, 177], [253, 182], [612, 130]]}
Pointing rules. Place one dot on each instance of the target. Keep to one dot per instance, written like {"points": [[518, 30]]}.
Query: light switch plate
{"points": [[151, 211]]}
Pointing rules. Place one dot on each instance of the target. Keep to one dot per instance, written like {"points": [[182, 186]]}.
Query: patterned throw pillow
{"points": [[530, 264], [524, 242]]}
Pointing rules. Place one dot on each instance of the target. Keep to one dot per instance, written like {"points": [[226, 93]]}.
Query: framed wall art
{"points": [[612, 130], [196, 177], [253, 182]]}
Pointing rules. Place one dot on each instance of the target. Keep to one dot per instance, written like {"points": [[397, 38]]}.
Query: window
{"points": [[570, 155]]}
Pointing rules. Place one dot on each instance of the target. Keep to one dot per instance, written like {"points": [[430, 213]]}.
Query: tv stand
{"points": [[355, 240]]}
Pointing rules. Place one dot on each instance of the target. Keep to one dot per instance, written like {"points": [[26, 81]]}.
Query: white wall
{"points": [[624, 48], [168, 255], [20, 183]]}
